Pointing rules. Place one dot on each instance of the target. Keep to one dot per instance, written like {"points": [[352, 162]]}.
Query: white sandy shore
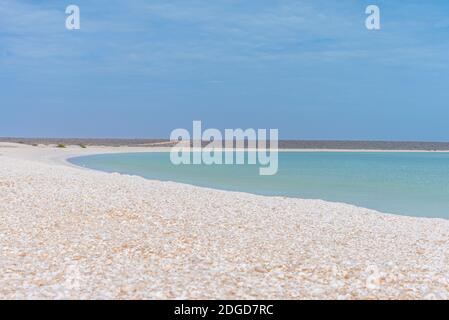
{"points": [[72, 233]]}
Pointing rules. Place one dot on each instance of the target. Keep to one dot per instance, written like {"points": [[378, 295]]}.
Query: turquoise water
{"points": [[404, 183]]}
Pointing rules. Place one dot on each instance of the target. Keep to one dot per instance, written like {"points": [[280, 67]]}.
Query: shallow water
{"points": [[414, 184]]}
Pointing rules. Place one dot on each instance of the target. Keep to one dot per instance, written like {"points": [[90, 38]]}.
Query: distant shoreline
{"points": [[284, 145]]}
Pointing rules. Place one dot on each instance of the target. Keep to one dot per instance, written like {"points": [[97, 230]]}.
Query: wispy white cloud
{"points": [[145, 36]]}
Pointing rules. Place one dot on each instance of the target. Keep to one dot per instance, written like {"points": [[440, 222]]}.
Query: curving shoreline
{"points": [[73, 233]]}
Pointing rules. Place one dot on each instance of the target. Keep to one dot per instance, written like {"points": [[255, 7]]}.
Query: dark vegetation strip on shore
{"points": [[283, 144], [85, 142]]}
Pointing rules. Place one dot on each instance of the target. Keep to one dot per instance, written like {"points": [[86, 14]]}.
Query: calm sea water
{"points": [[414, 184]]}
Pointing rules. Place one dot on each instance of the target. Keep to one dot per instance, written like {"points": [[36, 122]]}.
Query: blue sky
{"points": [[143, 68]]}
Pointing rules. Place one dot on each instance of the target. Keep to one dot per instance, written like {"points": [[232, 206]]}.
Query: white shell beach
{"points": [[73, 233]]}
